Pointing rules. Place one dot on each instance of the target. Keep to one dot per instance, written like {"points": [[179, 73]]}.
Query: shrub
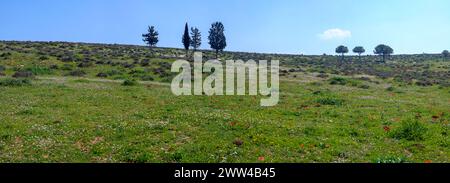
{"points": [[2, 68], [78, 73], [364, 79], [410, 130], [113, 72], [66, 59], [15, 82], [54, 66], [39, 70], [127, 65], [85, 64], [323, 75], [137, 71], [129, 82], [318, 92], [102, 75], [390, 89], [23, 74], [43, 58], [145, 62], [338, 81], [67, 67], [343, 81], [330, 101], [364, 86], [424, 83], [5, 55], [147, 78]]}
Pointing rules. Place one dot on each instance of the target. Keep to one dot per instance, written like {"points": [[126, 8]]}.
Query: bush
{"points": [[2, 68], [54, 66], [113, 72], [424, 83], [338, 81], [344, 81], [78, 73], [330, 101], [129, 82], [85, 64], [364, 79], [39, 70], [43, 58], [364, 86], [323, 75], [15, 82], [102, 75], [23, 74], [145, 62], [147, 78], [410, 130], [390, 89], [67, 67], [127, 65]]}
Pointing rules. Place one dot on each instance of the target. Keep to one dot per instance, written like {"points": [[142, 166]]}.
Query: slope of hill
{"points": [[73, 102]]}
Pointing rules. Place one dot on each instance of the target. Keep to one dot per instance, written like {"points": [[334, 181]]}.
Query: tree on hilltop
{"points": [[383, 51], [445, 54], [359, 50], [151, 38], [342, 50], [196, 38], [216, 38], [186, 39]]}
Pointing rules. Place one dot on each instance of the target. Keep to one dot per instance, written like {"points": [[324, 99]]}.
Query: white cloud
{"points": [[335, 34]]}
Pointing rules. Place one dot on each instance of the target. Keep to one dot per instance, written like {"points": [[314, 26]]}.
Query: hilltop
{"points": [[421, 69]]}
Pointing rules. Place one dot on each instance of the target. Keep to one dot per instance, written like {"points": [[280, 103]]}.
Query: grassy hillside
{"points": [[70, 104]]}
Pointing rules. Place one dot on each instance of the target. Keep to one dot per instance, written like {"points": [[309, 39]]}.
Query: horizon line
{"points": [[234, 51]]}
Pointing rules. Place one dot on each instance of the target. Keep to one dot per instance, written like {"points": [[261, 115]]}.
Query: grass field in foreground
{"points": [[81, 120]]}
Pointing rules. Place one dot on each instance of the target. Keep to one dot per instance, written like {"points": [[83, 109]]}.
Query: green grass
{"points": [[130, 115], [129, 82], [76, 120], [39, 70], [411, 130], [12, 82]]}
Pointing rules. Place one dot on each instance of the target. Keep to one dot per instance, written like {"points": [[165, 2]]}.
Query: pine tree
{"points": [[196, 38], [445, 54], [151, 38], [359, 50], [383, 50], [342, 50], [217, 38], [186, 39]]}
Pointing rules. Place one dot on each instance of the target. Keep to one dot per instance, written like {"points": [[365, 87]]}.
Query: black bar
{"points": [[283, 172]]}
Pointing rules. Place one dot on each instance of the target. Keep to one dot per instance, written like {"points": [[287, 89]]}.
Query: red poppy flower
{"points": [[428, 161], [261, 158], [387, 128]]}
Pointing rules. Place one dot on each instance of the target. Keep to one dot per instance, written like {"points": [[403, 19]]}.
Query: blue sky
{"points": [[284, 26]]}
